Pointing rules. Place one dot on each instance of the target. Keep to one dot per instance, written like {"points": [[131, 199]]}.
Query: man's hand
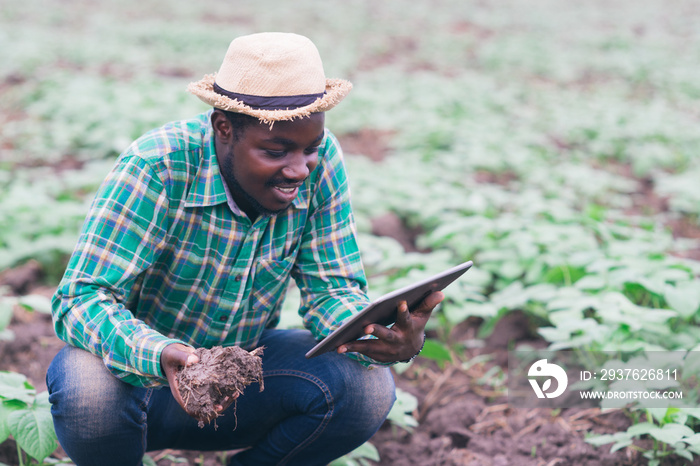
{"points": [[173, 358], [403, 340]]}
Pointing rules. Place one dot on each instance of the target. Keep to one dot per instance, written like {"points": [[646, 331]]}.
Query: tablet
{"points": [[383, 310]]}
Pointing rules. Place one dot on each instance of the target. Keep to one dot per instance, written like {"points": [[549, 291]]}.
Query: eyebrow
{"points": [[288, 142]]}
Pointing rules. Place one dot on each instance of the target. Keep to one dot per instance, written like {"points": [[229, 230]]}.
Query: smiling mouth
{"points": [[286, 193]]}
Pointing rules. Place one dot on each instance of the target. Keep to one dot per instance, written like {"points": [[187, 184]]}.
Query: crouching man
{"points": [[191, 241]]}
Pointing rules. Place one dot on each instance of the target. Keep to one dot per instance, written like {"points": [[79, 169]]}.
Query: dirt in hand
{"points": [[218, 378]]}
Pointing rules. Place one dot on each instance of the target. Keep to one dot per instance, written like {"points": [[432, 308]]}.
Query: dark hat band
{"points": [[257, 102]]}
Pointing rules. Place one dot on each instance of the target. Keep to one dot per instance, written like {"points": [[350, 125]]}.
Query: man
{"points": [[191, 242]]}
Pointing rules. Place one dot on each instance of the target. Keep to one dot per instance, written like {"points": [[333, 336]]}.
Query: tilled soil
{"points": [[463, 420]]}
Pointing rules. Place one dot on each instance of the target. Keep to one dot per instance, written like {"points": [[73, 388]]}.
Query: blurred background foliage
{"points": [[553, 143]]}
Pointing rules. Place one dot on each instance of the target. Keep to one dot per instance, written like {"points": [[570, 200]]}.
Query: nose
{"points": [[299, 166]]}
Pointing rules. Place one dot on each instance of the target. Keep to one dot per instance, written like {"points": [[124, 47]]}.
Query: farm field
{"points": [[555, 144]]}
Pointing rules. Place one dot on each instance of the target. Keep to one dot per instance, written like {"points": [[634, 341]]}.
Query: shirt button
{"points": [[223, 318], [239, 278]]}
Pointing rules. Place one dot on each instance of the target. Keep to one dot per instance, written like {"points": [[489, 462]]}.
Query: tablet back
{"points": [[383, 310]]}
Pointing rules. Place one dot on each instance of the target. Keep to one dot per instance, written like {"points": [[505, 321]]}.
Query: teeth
{"points": [[286, 190]]}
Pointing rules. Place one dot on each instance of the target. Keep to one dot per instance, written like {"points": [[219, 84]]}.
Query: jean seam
{"points": [[144, 418], [326, 419]]}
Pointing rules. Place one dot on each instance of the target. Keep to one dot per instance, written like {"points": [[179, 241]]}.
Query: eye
{"points": [[276, 154], [311, 150]]}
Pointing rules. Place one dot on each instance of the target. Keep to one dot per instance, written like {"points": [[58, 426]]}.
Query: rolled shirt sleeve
{"points": [[124, 230]]}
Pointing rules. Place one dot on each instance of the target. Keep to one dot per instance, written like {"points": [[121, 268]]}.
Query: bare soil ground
{"points": [[462, 421]]}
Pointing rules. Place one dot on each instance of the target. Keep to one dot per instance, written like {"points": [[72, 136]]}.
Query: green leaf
{"points": [[436, 351], [564, 275], [6, 305], [58, 462], [368, 451], [658, 413], [620, 445], [641, 429], [35, 302], [591, 282], [33, 431], [42, 401], [358, 456], [684, 298], [695, 412], [14, 386], [618, 439], [457, 314], [600, 440], [401, 367], [4, 429], [148, 461], [672, 433], [401, 413], [684, 453]]}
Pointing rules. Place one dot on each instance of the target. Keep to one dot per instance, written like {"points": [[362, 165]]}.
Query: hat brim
{"points": [[336, 90]]}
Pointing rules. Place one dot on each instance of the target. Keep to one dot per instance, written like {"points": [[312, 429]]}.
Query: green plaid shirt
{"points": [[166, 256]]}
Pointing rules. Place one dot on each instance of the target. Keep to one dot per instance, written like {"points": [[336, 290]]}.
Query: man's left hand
{"points": [[403, 340]]}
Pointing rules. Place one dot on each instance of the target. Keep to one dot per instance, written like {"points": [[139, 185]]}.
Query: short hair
{"points": [[240, 122]]}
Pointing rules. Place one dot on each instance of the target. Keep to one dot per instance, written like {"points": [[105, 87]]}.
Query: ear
{"points": [[223, 130]]}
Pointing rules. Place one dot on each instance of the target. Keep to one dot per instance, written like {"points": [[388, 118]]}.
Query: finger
{"points": [[383, 333], [173, 358], [403, 318], [403, 315], [375, 349], [428, 304], [433, 299], [386, 336], [227, 401], [219, 408], [177, 355], [175, 390]]}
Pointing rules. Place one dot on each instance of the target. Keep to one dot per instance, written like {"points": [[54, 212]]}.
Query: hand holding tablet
{"points": [[383, 311]]}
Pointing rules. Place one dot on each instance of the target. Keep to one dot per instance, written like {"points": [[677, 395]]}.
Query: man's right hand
{"points": [[173, 358]]}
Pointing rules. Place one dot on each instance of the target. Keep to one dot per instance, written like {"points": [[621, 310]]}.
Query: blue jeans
{"points": [[311, 411]]}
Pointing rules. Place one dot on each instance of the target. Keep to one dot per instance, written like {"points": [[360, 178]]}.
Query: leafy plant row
{"points": [[554, 146]]}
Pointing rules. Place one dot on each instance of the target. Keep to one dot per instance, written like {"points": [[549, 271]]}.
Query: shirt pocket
{"points": [[270, 286]]}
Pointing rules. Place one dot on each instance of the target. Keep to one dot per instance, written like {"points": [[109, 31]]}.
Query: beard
{"points": [[230, 178]]}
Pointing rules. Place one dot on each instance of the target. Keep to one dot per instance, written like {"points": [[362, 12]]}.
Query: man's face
{"points": [[264, 167]]}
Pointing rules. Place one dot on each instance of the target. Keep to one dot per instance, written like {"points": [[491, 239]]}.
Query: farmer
{"points": [[190, 242]]}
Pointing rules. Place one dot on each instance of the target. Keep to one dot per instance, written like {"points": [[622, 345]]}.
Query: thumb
{"points": [[434, 299], [192, 359], [177, 354]]}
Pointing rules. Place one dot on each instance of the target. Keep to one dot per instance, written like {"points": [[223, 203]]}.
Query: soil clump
{"points": [[218, 378]]}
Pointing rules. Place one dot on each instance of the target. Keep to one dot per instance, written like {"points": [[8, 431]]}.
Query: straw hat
{"points": [[272, 76]]}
